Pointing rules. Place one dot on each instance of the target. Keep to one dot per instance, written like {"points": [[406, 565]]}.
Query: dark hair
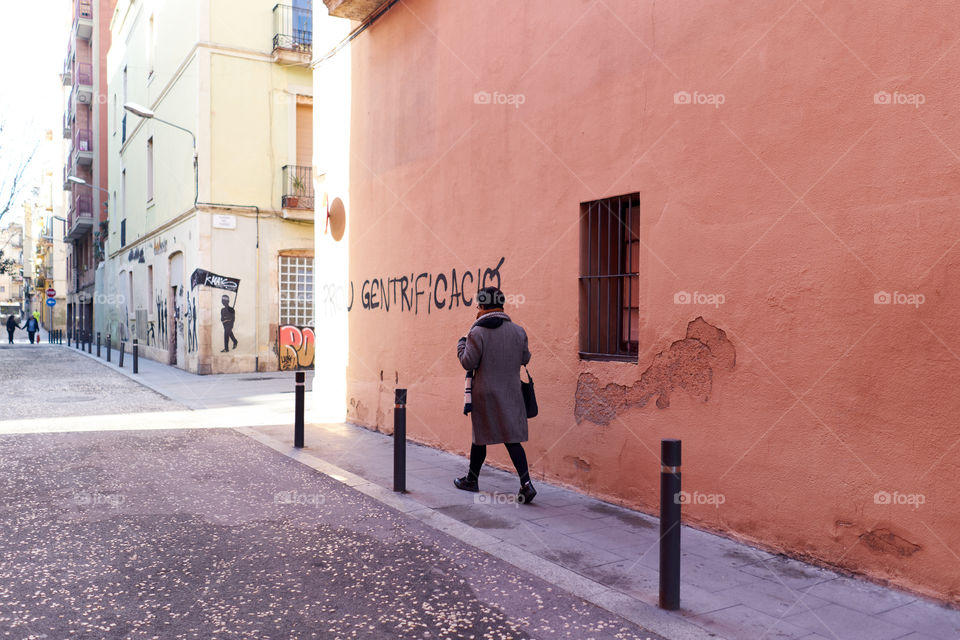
{"points": [[490, 298]]}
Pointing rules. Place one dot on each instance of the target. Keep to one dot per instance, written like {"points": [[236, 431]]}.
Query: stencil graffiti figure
{"points": [[227, 316]]}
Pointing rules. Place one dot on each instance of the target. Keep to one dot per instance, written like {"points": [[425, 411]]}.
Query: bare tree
{"points": [[12, 173]]}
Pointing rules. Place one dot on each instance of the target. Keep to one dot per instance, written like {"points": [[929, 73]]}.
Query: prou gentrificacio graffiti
{"points": [[425, 291]]}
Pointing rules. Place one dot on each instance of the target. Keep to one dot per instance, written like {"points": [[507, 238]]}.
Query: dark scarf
{"points": [[489, 320]]}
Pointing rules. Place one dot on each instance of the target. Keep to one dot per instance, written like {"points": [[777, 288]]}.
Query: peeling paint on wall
{"points": [[687, 365], [886, 541]]}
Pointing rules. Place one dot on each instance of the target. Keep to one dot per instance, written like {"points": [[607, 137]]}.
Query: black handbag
{"points": [[529, 397]]}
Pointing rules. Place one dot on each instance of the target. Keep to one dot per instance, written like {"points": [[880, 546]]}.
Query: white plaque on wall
{"points": [[224, 221]]}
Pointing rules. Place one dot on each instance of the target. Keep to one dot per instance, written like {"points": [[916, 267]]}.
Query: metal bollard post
{"points": [[136, 356], [298, 410], [89, 341], [98, 344], [670, 500], [400, 441], [123, 348], [109, 344]]}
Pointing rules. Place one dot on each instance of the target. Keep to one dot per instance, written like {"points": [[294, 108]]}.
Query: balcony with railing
{"points": [[83, 18], [80, 218], [293, 33], [68, 66], [67, 125], [83, 82], [82, 147], [297, 187]]}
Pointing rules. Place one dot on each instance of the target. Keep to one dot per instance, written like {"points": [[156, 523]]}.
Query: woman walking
{"points": [[493, 351]]}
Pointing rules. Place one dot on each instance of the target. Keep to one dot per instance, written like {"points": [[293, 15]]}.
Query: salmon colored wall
{"points": [[797, 199]]}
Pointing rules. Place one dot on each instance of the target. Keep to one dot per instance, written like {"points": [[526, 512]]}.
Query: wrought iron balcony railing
{"points": [[82, 208], [85, 73], [293, 28], [82, 140], [297, 187]]}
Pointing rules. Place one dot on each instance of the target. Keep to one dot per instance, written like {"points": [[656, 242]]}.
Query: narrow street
{"points": [[204, 533]]}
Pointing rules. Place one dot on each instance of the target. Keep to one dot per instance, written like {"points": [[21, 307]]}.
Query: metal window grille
{"points": [[609, 278], [296, 291]]}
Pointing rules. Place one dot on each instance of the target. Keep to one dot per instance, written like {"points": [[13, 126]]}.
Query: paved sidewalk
{"points": [[729, 589], [234, 400]]}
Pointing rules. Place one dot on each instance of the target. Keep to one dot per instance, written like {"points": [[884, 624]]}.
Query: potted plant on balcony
{"points": [[293, 201]]}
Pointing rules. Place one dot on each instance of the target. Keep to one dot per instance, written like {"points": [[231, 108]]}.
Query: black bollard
{"points": [[98, 344], [109, 344], [89, 341], [400, 441], [123, 348], [298, 410], [670, 501], [136, 356]]}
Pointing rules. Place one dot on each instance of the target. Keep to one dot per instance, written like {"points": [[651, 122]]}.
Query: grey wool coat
{"points": [[496, 348]]}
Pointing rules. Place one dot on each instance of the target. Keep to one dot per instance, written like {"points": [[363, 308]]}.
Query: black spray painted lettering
{"points": [[438, 291]]}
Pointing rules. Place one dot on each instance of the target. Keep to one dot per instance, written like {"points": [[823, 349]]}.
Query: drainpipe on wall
{"points": [[256, 323]]}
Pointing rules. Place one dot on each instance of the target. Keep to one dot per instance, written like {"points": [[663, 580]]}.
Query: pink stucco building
{"points": [[733, 223]]}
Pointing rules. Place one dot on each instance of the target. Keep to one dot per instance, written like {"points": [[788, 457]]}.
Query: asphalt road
{"points": [[208, 534]]}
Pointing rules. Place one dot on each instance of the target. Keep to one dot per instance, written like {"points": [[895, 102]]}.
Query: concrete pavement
{"points": [[205, 533]]}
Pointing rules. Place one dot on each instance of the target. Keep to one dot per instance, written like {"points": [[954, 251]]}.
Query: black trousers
{"points": [[31, 334], [10, 335], [228, 336], [478, 453]]}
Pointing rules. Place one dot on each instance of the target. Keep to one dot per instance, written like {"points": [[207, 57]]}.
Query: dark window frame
{"points": [[609, 273]]}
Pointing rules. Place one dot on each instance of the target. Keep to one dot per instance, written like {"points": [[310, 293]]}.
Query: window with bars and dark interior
{"points": [[609, 278]]}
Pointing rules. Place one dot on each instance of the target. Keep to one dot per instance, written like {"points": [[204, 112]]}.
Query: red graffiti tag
{"points": [[297, 347]]}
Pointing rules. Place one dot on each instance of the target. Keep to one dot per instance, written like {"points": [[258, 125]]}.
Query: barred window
{"points": [[296, 291], [609, 278]]}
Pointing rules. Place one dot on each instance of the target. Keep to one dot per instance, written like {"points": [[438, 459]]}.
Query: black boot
{"points": [[527, 493], [466, 484]]}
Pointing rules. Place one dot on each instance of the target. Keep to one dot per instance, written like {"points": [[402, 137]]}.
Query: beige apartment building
{"points": [[210, 251]]}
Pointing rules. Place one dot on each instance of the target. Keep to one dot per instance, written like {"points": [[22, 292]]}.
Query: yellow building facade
{"points": [[210, 235]]}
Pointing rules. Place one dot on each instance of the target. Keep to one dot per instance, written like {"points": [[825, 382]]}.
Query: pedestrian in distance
{"points": [[32, 327], [492, 353], [11, 327], [227, 316]]}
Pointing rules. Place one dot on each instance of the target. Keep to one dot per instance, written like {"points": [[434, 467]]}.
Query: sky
{"points": [[33, 45]]}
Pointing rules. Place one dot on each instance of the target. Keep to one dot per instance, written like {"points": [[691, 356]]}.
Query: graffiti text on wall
{"points": [[426, 290], [161, 336], [205, 278], [297, 346], [135, 255]]}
